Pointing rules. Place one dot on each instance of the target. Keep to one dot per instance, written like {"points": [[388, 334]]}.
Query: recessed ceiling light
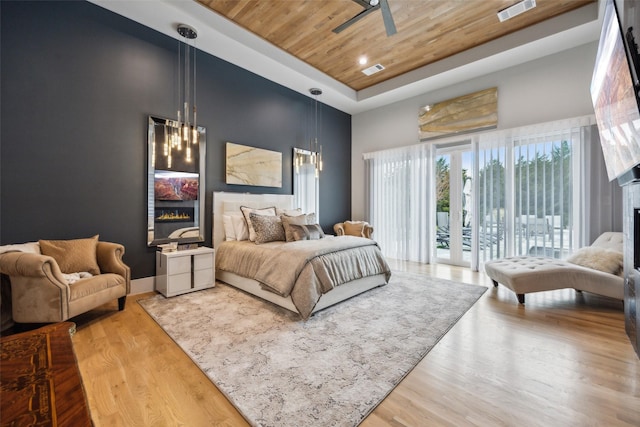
{"points": [[362, 60]]}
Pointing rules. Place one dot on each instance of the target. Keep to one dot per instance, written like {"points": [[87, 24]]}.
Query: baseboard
{"points": [[140, 286]]}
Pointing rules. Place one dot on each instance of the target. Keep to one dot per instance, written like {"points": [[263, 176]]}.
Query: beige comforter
{"points": [[304, 269]]}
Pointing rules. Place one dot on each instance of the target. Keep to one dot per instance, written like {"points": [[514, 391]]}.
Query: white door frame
{"points": [[455, 151]]}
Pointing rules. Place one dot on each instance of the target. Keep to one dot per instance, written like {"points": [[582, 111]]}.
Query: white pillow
{"points": [[288, 212], [246, 211], [229, 232], [240, 227]]}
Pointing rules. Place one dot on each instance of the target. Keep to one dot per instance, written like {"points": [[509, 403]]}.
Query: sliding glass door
{"points": [[453, 204], [526, 196], [503, 193]]}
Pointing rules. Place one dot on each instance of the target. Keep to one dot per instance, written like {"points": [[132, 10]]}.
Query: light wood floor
{"points": [[561, 360]]}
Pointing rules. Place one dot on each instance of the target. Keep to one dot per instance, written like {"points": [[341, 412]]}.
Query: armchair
{"points": [[40, 292], [353, 228]]}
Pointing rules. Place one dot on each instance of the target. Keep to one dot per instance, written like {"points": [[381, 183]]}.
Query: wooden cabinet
{"points": [[185, 271], [40, 380]]}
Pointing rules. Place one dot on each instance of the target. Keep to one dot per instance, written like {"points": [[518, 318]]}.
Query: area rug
{"points": [[331, 370]]}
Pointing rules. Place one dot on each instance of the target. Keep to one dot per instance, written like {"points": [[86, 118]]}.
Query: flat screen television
{"points": [[615, 101]]}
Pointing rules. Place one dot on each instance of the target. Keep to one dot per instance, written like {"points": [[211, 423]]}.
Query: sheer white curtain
{"points": [[532, 189], [606, 196], [398, 193], [305, 182]]}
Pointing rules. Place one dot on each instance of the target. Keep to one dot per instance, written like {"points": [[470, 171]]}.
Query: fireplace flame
{"points": [[172, 216]]}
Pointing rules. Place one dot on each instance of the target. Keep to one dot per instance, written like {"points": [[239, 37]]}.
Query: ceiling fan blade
{"points": [[389, 25], [355, 19]]}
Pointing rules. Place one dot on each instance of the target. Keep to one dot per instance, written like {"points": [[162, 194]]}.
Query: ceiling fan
{"points": [[371, 6]]}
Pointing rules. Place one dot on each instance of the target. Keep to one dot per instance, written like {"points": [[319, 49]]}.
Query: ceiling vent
{"points": [[373, 69], [516, 9]]}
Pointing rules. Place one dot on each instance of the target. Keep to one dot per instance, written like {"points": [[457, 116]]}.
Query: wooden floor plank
{"points": [[563, 359]]}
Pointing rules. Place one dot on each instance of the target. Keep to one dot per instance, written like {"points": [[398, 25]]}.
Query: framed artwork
{"points": [[253, 166], [467, 113]]}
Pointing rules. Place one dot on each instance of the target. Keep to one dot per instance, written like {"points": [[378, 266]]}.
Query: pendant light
{"points": [[184, 131], [314, 147]]}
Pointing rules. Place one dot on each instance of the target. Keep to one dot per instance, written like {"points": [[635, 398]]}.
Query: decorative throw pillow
{"points": [[73, 256], [306, 231], [602, 259], [246, 211], [267, 228], [298, 220], [354, 228]]}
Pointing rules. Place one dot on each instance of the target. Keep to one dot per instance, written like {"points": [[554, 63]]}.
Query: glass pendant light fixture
{"points": [[184, 133], [314, 147]]}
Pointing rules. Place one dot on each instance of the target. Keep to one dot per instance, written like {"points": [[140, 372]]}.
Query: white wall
{"points": [[551, 88]]}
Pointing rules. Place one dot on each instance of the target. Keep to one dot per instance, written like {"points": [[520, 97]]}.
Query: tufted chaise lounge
{"points": [[525, 274]]}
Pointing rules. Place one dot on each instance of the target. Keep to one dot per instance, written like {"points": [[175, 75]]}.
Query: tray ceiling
{"points": [[427, 31], [438, 43]]}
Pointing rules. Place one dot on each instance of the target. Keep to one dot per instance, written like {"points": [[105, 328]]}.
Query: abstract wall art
{"points": [[467, 113], [253, 166]]}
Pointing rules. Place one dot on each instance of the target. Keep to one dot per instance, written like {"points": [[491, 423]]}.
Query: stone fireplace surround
{"points": [[631, 229]]}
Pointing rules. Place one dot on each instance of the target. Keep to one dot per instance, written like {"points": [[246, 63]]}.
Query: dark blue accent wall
{"points": [[77, 85]]}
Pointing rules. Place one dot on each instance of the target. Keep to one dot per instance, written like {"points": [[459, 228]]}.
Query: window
{"points": [[536, 173], [526, 191]]}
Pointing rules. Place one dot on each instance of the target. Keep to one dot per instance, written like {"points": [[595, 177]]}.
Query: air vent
{"points": [[373, 69], [516, 9]]}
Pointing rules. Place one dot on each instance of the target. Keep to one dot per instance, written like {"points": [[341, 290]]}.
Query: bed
{"points": [[332, 269]]}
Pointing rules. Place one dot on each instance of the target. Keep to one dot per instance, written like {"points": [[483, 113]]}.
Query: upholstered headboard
{"points": [[231, 202]]}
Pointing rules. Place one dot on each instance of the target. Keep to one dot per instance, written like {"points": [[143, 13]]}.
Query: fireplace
{"points": [[174, 214]]}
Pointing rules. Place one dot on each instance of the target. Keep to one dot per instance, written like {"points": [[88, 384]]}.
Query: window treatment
{"points": [[398, 190], [531, 192], [532, 187]]}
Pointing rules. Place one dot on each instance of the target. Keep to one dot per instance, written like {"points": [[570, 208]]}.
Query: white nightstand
{"points": [[185, 271]]}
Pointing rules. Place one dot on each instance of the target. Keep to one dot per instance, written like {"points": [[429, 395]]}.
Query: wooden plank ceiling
{"points": [[427, 31]]}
